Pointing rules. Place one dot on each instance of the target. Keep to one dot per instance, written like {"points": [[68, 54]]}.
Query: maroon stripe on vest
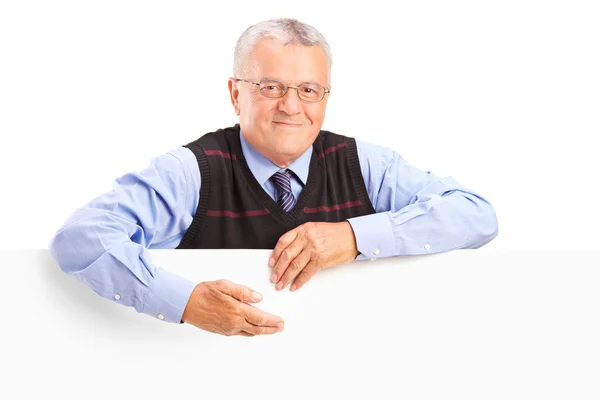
{"points": [[334, 207], [219, 153], [232, 214], [332, 149]]}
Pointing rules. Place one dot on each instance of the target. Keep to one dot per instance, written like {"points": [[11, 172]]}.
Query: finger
{"points": [[296, 266], [240, 292], [261, 330], [287, 256], [258, 317], [244, 333], [308, 272], [284, 241]]}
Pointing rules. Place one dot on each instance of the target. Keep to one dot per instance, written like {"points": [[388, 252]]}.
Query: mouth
{"points": [[287, 124]]}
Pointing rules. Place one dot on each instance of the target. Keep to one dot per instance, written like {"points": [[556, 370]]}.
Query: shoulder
{"points": [[177, 168], [181, 157], [367, 148], [368, 152], [176, 165], [371, 150], [216, 139]]}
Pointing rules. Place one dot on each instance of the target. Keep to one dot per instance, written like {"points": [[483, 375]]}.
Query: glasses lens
{"points": [[311, 92], [272, 88]]}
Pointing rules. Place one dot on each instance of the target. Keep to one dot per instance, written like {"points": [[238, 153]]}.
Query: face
{"points": [[283, 128]]}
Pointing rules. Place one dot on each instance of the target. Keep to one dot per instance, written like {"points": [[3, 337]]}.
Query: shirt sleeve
{"points": [[417, 212], [105, 243]]}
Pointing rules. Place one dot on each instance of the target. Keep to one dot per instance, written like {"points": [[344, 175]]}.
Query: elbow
{"points": [[72, 248], [479, 217], [61, 251], [487, 226]]}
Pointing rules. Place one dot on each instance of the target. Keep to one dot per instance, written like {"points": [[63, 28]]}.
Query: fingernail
{"points": [[256, 296], [280, 328], [279, 285], [280, 324], [293, 287], [271, 262], [273, 278]]}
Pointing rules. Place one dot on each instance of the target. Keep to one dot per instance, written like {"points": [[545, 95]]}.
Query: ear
{"points": [[234, 95]]}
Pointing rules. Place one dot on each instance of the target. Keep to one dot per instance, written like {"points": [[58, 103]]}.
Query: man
{"points": [[273, 181]]}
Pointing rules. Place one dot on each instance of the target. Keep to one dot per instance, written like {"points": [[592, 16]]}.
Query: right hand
{"points": [[221, 307]]}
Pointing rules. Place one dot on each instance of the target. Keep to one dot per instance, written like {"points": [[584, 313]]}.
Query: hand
{"points": [[303, 251], [220, 307]]}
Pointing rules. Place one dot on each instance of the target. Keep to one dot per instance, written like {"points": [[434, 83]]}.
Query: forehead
{"points": [[293, 64]]}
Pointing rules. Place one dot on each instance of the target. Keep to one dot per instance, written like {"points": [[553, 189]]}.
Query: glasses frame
{"points": [[285, 89]]}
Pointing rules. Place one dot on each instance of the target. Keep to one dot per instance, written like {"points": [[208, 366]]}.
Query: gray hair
{"points": [[285, 30]]}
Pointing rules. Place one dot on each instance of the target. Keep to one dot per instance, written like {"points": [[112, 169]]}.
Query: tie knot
{"points": [[282, 180]]}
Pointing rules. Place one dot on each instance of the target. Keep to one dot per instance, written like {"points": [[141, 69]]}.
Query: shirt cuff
{"points": [[168, 296], [374, 236]]}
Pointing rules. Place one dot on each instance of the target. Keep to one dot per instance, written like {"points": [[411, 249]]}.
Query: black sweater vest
{"points": [[235, 212]]}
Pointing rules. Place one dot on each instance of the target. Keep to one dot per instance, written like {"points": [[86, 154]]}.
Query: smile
{"points": [[288, 124]]}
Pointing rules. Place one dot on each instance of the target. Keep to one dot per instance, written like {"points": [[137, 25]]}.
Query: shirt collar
{"points": [[263, 168]]}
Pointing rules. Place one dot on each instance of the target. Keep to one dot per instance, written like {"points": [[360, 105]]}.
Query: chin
{"points": [[285, 147]]}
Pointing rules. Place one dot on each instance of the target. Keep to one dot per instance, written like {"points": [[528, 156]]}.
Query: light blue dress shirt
{"points": [[105, 243]]}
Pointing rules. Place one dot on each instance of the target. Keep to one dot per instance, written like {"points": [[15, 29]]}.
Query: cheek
{"points": [[261, 110], [316, 115], [252, 112]]}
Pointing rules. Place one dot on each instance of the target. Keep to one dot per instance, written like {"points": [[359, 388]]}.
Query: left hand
{"points": [[303, 251]]}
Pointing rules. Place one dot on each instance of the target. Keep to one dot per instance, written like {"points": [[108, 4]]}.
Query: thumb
{"points": [[240, 292]]}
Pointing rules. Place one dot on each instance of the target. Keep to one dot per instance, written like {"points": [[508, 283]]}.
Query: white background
{"points": [[503, 96]]}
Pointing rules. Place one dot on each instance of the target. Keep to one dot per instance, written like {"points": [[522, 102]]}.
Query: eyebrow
{"points": [[268, 78]]}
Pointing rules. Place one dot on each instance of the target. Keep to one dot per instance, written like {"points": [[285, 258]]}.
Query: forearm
{"points": [[95, 247], [435, 222]]}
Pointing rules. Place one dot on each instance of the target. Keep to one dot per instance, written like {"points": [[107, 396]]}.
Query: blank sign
{"points": [[470, 324]]}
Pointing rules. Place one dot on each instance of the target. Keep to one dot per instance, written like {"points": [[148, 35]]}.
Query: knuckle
{"points": [[319, 246], [303, 275], [301, 280], [239, 292], [314, 254], [261, 330], [323, 242], [213, 291], [295, 265], [227, 326], [232, 322], [237, 314], [221, 283], [246, 293]]}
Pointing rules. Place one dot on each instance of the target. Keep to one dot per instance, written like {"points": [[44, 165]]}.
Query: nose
{"points": [[290, 103]]}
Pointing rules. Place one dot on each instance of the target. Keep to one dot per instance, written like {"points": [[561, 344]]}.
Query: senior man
{"points": [[273, 181]]}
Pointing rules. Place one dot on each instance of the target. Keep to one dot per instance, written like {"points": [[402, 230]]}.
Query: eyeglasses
{"points": [[308, 92]]}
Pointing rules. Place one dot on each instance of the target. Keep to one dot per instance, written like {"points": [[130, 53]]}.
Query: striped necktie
{"points": [[283, 182]]}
